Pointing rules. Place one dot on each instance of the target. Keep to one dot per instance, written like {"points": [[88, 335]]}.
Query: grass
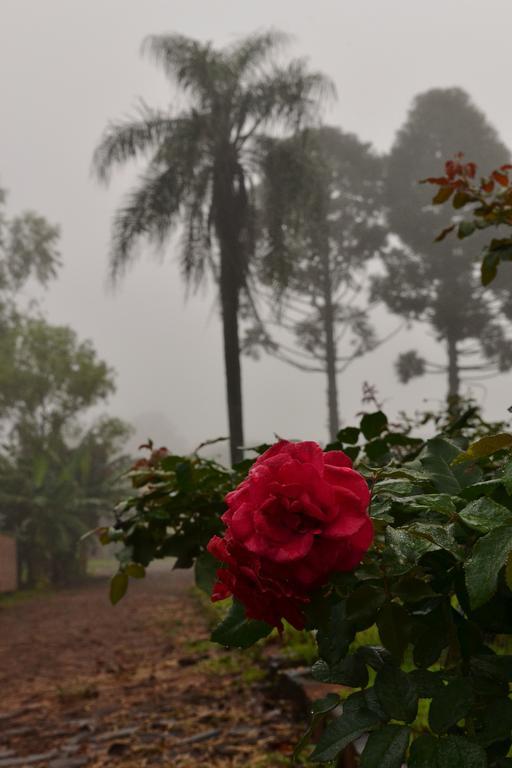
{"points": [[11, 599]]}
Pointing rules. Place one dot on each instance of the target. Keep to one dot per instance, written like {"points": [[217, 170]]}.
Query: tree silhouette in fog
{"points": [[202, 161], [437, 283], [323, 214]]}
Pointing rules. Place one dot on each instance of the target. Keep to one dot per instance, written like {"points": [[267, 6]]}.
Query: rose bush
{"points": [[299, 517], [415, 640]]}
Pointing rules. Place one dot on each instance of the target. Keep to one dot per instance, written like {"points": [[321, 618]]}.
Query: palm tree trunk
{"points": [[330, 349], [228, 225], [229, 302], [453, 370]]}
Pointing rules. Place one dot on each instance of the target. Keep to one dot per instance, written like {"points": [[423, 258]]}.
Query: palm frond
{"points": [[123, 141], [194, 66], [150, 211], [289, 96], [248, 55]]}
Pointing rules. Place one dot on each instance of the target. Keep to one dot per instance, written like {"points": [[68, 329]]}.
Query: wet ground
{"points": [[83, 683]]}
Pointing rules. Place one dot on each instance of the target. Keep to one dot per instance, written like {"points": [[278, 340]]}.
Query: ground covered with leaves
{"points": [[85, 684]]}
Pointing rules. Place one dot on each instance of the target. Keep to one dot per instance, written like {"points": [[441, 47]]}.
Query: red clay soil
{"points": [[86, 684]]}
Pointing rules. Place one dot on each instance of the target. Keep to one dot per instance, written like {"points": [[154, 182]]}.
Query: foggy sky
{"points": [[67, 67]]}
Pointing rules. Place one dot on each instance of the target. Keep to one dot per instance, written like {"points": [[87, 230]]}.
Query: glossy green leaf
{"points": [[335, 636], [495, 723], [350, 671], [440, 535], [450, 704], [325, 705], [236, 631], [508, 571], [488, 557], [407, 547], [442, 476], [507, 478], [397, 693], [363, 605], [341, 732], [392, 623], [386, 747], [485, 514], [448, 752]]}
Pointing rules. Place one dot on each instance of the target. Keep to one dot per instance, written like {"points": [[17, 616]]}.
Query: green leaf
{"points": [[485, 514], [363, 605], [377, 450], [427, 682], [319, 709], [442, 195], [439, 535], [495, 724], [507, 478], [450, 752], [484, 488], [352, 451], [386, 747], [437, 502], [372, 424], [236, 631], [366, 699], [465, 229], [487, 559], [392, 623], [135, 570], [484, 447], [348, 435], [508, 571], [408, 548], [325, 705], [411, 589], [441, 475], [335, 636], [489, 267], [206, 571], [460, 199], [450, 704], [350, 671], [375, 656], [343, 731], [397, 693], [118, 587], [432, 640]]}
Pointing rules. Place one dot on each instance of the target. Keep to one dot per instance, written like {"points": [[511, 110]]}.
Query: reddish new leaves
{"points": [[491, 205]]}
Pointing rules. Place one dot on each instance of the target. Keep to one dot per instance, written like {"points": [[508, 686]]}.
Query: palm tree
{"points": [[203, 165]]}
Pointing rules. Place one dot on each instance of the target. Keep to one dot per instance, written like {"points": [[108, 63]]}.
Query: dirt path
{"points": [[85, 684]]}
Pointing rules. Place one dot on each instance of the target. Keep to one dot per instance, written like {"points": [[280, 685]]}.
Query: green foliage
{"points": [[174, 511], [415, 630], [57, 477], [236, 631]]}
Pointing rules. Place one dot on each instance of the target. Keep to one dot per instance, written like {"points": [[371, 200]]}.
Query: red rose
{"points": [[300, 516]]}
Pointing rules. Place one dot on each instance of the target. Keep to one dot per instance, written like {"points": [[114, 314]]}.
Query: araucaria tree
{"points": [[201, 165], [323, 217], [438, 283]]}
